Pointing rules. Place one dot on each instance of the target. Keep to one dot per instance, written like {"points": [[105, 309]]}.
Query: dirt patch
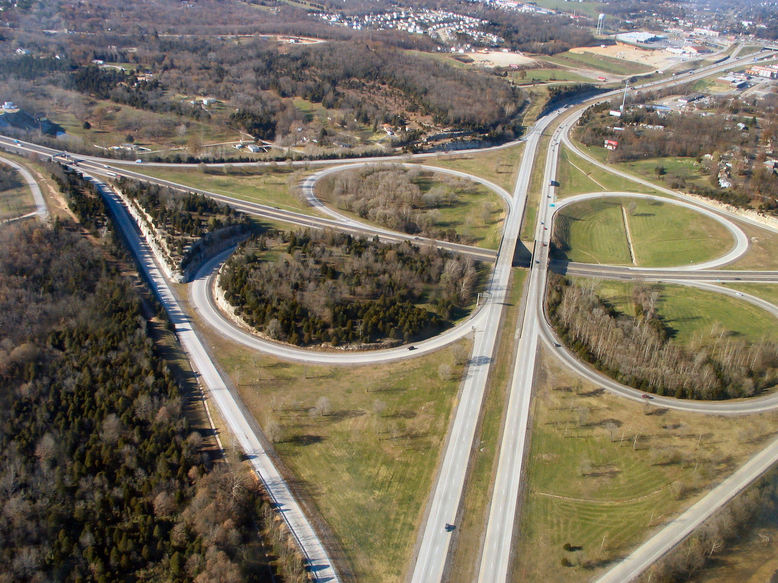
{"points": [[500, 59], [655, 58]]}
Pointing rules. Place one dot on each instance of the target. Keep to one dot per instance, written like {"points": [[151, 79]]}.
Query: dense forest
{"points": [[403, 199], [314, 287], [101, 478], [190, 223], [639, 350]]}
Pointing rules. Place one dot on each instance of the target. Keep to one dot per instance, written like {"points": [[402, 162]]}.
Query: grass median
{"points": [[604, 473]]}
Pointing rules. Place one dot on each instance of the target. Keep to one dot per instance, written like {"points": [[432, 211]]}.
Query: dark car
{"points": [[411, 347]]}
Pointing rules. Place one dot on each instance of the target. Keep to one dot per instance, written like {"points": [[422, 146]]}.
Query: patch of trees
{"points": [[82, 196], [727, 527], [546, 35], [397, 197], [9, 178], [185, 219], [638, 349], [101, 478], [314, 287]]}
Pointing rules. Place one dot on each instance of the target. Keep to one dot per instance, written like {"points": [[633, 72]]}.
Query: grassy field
{"points": [[671, 170], [766, 291], [598, 63], [699, 315], [762, 251], [662, 234], [547, 75], [477, 217], [481, 475], [604, 472], [17, 200], [271, 185], [498, 166], [367, 465], [577, 176]]}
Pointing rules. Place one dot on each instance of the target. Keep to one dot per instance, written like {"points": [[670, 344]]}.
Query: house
{"points": [[9, 105], [255, 148], [611, 144]]}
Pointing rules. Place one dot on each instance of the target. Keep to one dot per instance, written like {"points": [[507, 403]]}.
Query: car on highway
{"points": [[411, 347], [450, 527], [139, 161], [646, 396]]}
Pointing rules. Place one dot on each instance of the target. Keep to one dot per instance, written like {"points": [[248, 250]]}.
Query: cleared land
{"points": [[15, 197], [604, 472], [698, 315], [651, 59], [547, 75], [663, 234], [606, 64], [367, 464]]}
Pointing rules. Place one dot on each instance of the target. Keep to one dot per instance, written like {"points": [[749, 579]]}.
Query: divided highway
{"points": [[445, 499]]}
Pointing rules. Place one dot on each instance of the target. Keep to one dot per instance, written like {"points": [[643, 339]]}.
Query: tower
{"points": [[600, 23]]}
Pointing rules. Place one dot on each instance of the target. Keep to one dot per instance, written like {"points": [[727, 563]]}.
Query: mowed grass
{"points": [[578, 176], [480, 478], [766, 291], [662, 234], [367, 465], [598, 63], [698, 316], [498, 166], [762, 251], [16, 201], [604, 473], [273, 185], [594, 232]]}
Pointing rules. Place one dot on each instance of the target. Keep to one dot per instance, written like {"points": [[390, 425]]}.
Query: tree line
{"points": [[188, 221], [638, 350], [313, 287]]}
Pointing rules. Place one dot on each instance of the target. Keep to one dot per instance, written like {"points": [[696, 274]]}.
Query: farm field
{"points": [[602, 63], [603, 473], [662, 234]]}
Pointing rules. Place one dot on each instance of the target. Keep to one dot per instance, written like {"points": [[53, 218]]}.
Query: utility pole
{"points": [[624, 99]]}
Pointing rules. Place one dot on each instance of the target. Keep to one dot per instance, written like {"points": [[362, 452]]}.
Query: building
{"points": [[611, 144], [642, 39], [761, 71], [686, 100]]}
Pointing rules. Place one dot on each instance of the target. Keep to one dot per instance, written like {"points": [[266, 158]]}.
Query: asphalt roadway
{"points": [[319, 564], [40, 204], [448, 487]]}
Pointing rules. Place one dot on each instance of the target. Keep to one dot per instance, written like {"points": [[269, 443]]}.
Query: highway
{"points": [[227, 401], [496, 553], [444, 501], [41, 210]]}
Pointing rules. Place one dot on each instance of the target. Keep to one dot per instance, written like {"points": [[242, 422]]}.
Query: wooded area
{"points": [[314, 287], [711, 136], [101, 478], [639, 350], [190, 223]]}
